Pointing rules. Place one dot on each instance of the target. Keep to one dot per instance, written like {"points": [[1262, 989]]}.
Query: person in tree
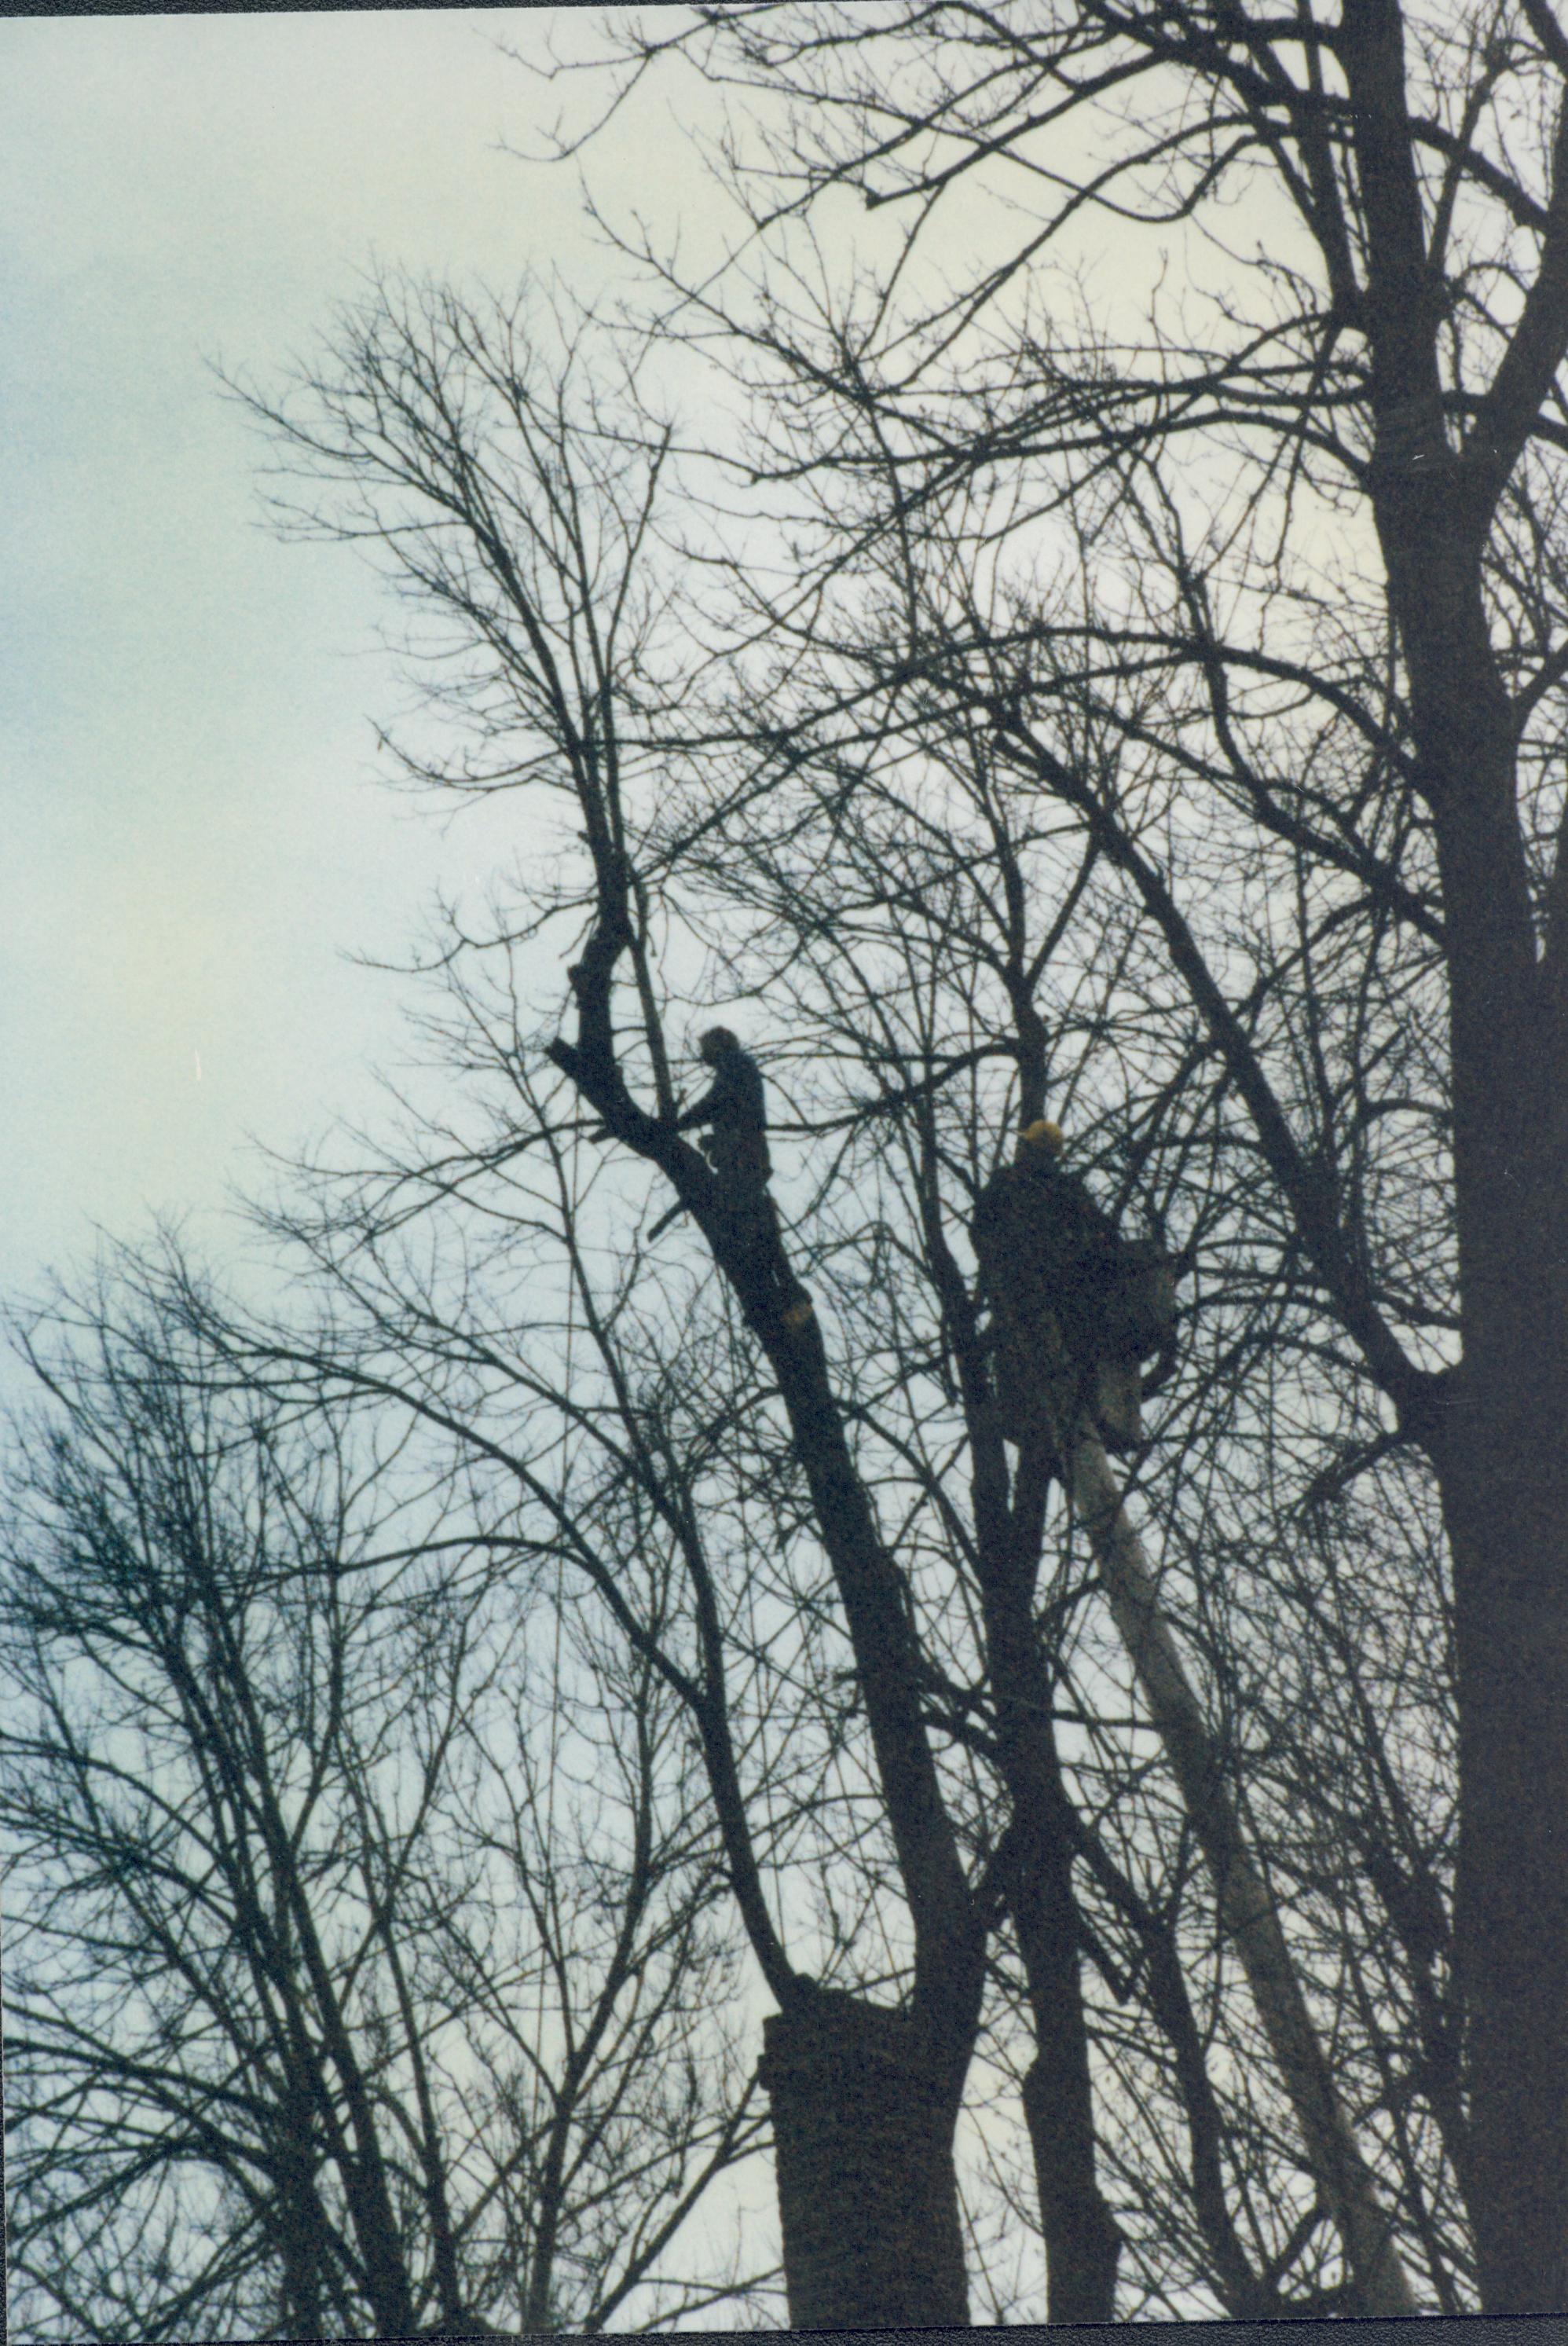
{"points": [[735, 1110], [1075, 1306]]}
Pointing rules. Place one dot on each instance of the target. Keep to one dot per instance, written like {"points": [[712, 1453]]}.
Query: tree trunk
{"points": [[1082, 2240], [1500, 1445], [863, 2122], [1502, 1451], [1505, 1517], [1247, 1910]]}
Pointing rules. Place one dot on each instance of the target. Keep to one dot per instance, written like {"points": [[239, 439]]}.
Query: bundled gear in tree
{"points": [[1075, 1309]]}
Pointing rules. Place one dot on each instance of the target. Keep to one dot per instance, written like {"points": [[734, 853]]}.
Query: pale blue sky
{"points": [[193, 831], [194, 836]]}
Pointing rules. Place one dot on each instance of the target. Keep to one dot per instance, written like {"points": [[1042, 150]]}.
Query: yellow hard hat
{"points": [[1043, 1134]]}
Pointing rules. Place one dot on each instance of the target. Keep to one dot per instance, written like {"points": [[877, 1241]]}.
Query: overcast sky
{"points": [[193, 831], [195, 837]]}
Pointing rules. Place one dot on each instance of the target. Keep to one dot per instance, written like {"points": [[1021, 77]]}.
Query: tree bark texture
{"points": [[1082, 2238], [863, 2123]]}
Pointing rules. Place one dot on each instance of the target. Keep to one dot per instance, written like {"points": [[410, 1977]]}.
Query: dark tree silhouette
{"points": [[956, 1856], [359, 1928], [1316, 483]]}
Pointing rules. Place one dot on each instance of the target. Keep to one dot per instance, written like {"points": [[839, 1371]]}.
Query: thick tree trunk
{"points": [[1247, 1910], [1502, 1448], [1506, 1513], [863, 2122]]}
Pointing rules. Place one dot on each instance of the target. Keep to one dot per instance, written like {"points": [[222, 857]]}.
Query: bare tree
{"points": [[361, 1964], [1322, 486], [928, 919], [926, 1758]]}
